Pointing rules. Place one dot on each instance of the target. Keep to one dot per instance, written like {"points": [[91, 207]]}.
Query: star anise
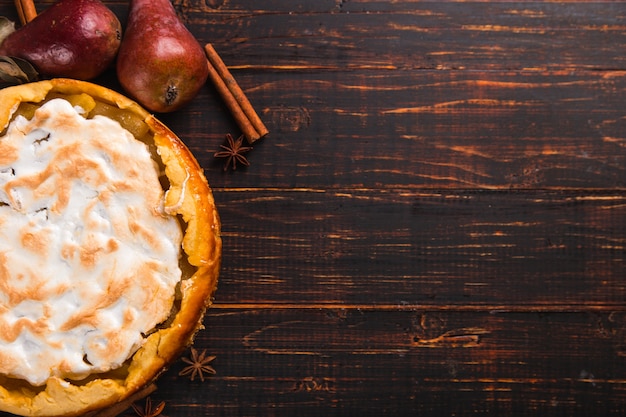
{"points": [[198, 365], [233, 152], [148, 411]]}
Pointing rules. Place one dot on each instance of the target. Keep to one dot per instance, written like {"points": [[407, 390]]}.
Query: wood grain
{"points": [[435, 225], [401, 247], [287, 362]]}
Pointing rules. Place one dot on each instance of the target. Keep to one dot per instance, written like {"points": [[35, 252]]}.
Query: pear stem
{"points": [[234, 98], [171, 94], [25, 10]]}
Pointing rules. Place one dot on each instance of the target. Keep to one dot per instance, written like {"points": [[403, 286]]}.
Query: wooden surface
{"points": [[436, 224]]}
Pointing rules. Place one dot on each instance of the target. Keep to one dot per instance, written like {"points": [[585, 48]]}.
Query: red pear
{"points": [[160, 63], [72, 38]]}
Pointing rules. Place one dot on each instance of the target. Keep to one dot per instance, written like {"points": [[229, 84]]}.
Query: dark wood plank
{"points": [[306, 362], [415, 35], [517, 249], [421, 130], [523, 123]]}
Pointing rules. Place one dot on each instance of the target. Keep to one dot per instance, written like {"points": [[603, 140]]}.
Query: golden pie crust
{"points": [[189, 198]]}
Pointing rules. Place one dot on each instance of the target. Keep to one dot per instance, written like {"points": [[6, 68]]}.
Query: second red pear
{"points": [[72, 38], [160, 62]]}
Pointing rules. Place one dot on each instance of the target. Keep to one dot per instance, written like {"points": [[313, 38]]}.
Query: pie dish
{"points": [[111, 249]]}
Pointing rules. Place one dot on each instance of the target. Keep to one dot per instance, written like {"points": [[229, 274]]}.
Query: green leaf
{"points": [[16, 70], [6, 28], [27, 68]]}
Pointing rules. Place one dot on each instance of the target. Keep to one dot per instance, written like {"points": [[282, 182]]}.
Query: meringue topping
{"points": [[88, 255]]}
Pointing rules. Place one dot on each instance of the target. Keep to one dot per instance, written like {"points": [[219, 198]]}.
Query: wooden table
{"points": [[436, 224]]}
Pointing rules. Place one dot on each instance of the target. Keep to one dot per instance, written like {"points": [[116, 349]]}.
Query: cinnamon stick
{"points": [[235, 109], [25, 10], [235, 99]]}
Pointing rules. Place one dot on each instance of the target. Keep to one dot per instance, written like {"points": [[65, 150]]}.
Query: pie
{"points": [[110, 248]]}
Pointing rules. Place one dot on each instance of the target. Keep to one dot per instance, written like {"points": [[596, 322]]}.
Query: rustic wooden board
{"points": [[469, 131], [435, 224], [410, 35], [300, 361], [500, 249]]}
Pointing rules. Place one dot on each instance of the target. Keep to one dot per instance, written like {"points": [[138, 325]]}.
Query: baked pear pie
{"points": [[109, 248]]}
